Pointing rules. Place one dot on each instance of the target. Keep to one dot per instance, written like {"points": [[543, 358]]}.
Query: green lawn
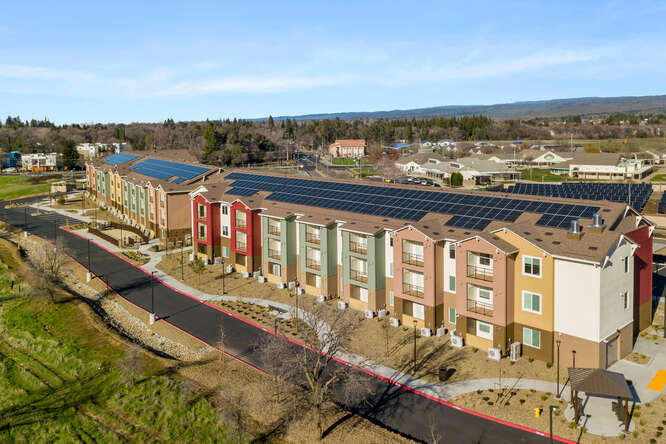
{"points": [[658, 178], [540, 175], [364, 171], [339, 161], [13, 187], [61, 380]]}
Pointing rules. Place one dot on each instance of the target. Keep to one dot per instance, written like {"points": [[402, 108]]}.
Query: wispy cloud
{"points": [[42, 73]]}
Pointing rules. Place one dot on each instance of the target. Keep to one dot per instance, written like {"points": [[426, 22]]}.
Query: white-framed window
{"points": [[485, 259], [625, 300], [391, 298], [202, 231], [531, 337], [532, 266], [225, 230], [317, 281], [391, 269], [363, 294], [418, 311], [225, 251], [531, 302], [452, 251], [201, 211], [225, 210], [276, 270], [452, 284], [626, 264], [484, 330], [452, 315]]}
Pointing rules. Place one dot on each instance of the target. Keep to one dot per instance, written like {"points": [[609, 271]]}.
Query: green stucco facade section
{"points": [[287, 240], [375, 258], [327, 247]]}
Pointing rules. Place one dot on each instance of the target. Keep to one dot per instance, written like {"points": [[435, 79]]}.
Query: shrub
{"points": [[61, 200], [544, 397], [642, 422], [486, 398], [572, 425], [636, 415], [549, 364], [478, 392], [474, 349], [635, 434], [522, 401], [530, 359]]}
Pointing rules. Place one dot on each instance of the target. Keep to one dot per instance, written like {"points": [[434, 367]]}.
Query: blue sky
{"points": [[119, 62]]}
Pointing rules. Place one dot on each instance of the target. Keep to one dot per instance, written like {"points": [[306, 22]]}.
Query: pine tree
{"points": [[70, 156]]}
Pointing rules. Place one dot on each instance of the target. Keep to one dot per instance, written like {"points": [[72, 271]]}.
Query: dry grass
{"points": [[637, 358]]}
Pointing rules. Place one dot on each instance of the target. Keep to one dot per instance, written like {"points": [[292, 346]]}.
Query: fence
{"points": [[104, 236], [131, 229]]}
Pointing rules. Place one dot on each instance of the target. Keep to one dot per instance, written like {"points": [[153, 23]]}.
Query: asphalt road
{"points": [[397, 409]]}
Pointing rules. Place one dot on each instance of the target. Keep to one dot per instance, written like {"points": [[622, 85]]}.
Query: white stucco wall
{"points": [[614, 281], [388, 253], [225, 220], [449, 266], [338, 241], [577, 301]]}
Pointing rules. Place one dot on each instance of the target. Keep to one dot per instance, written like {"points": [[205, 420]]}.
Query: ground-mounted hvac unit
{"points": [[516, 351], [261, 279], [292, 285], [381, 314], [300, 291], [342, 305], [426, 332], [494, 353], [441, 331], [191, 257], [369, 314], [256, 274], [246, 275], [321, 298], [394, 322], [217, 260], [456, 341], [281, 285], [229, 268]]}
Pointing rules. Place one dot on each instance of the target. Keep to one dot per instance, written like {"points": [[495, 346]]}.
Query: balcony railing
{"points": [[273, 230], [412, 290], [358, 247], [241, 224], [482, 273], [312, 238], [412, 259], [274, 254], [479, 307], [241, 246], [359, 276], [312, 264]]}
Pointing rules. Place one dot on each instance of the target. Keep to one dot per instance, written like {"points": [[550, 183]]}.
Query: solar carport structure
{"points": [[470, 211]]}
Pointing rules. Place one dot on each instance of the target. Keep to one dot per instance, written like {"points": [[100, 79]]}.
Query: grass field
{"points": [[364, 171], [540, 175], [13, 187], [62, 380], [340, 161], [658, 178]]}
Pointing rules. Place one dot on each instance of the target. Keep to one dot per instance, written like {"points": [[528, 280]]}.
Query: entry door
{"points": [[611, 351]]}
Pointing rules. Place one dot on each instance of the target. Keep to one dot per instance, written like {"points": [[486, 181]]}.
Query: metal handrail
{"points": [[479, 307], [481, 273], [412, 259], [412, 290], [358, 276]]}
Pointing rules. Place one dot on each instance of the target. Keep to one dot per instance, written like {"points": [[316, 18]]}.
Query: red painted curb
{"points": [[383, 378]]}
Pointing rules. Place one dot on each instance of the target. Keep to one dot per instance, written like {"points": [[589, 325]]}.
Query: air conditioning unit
{"points": [[369, 314], [320, 297], [394, 322], [292, 285], [191, 257], [516, 351], [229, 268], [494, 354], [456, 341], [246, 274], [381, 314], [300, 291], [256, 274], [426, 332], [261, 279], [217, 260], [342, 305], [441, 331], [281, 285]]}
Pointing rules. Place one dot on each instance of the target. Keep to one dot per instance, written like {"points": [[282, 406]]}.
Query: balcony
{"points": [[313, 264], [479, 307], [412, 290], [312, 238], [241, 224], [358, 247], [274, 254], [241, 246], [358, 276], [273, 230], [481, 273], [412, 259]]}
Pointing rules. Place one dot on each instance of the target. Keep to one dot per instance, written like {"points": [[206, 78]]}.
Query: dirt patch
{"points": [[638, 358]]}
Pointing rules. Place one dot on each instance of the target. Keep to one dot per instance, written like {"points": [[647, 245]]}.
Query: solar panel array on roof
{"points": [[120, 158], [163, 169], [662, 205], [635, 195], [469, 211]]}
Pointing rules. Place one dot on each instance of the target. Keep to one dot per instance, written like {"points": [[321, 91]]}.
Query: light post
{"points": [[573, 352], [297, 327], [182, 272], [415, 346], [152, 297], [551, 408], [224, 275], [558, 342], [89, 269]]}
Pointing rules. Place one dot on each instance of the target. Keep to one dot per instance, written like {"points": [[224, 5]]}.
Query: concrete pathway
{"points": [[598, 417]]}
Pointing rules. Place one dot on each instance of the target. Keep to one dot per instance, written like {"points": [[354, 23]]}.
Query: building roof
{"points": [[611, 159], [482, 165], [349, 142], [594, 381]]}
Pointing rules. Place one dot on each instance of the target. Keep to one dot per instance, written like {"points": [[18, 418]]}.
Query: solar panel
{"points": [[163, 169], [120, 158]]}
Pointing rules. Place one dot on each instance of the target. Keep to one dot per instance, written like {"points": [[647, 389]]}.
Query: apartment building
{"points": [[40, 162], [348, 148], [521, 280]]}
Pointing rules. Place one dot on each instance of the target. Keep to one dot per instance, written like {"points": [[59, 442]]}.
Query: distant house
{"points": [[348, 148], [12, 160], [92, 150], [40, 162], [446, 143]]}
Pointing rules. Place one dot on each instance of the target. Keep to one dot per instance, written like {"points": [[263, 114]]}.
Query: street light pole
{"points": [[152, 297], [414, 346], [559, 341], [551, 408], [182, 272]]}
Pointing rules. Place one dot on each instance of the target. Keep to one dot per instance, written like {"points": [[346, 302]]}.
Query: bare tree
{"points": [[219, 344], [326, 333], [133, 363], [198, 268], [435, 433], [49, 264]]}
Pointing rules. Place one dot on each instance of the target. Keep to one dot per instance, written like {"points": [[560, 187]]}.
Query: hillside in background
{"points": [[587, 106]]}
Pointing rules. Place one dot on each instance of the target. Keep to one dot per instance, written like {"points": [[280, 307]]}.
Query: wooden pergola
{"points": [[601, 383]]}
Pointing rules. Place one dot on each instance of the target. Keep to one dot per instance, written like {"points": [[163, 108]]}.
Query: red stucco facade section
{"points": [[252, 229], [212, 221], [642, 265]]}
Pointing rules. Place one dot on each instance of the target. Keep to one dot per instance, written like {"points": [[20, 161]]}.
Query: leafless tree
{"points": [[133, 363], [198, 268], [433, 429], [326, 333], [49, 264], [219, 344]]}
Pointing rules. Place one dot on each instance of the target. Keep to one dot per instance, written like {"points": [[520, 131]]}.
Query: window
{"points": [[626, 264], [532, 302], [241, 219], [225, 210], [225, 230], [391, 269], [202, 231], [225, 251], [452, 251], [484, 293], [391, 241], [625, 300], [485, 259], [484, 330], [531, 337], [417, 311], [201, 210], [275, 270], [391, 298], [452, 284], [452, 315], [363, 294], [532, 266]]}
